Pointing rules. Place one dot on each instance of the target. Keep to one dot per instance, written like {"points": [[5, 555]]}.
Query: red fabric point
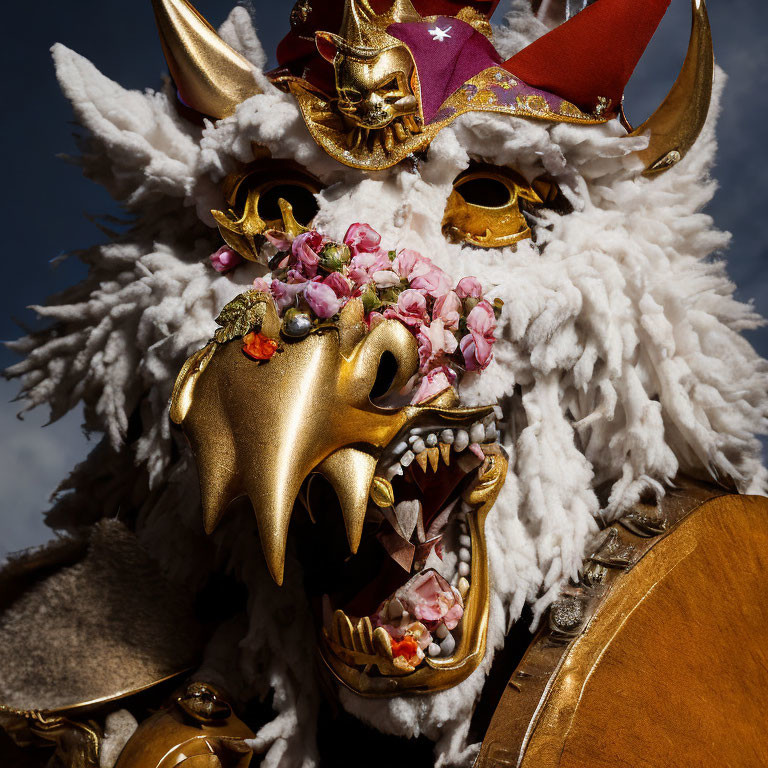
{"points": [[593, 54]]}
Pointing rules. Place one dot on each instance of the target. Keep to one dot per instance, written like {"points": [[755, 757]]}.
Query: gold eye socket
{"points": [[267, 195], [486, 207]]}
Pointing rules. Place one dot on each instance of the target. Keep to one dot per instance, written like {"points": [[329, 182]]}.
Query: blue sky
{"points": [[48, 204]]}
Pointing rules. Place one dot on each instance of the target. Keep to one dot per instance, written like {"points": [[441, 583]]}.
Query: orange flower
{"points": [[258, 346], [407, 647]]}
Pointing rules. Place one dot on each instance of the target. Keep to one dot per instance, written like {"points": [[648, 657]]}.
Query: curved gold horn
{"points": [[677, 123], [211, 77]]}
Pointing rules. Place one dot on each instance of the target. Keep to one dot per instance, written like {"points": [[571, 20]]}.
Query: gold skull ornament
{"points": [[321, 422]]}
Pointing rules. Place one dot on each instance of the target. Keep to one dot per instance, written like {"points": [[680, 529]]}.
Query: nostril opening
{"points": [[385, 376]]}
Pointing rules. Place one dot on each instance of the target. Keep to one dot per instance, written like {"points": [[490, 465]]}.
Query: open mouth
{"points": [[409, 610]]}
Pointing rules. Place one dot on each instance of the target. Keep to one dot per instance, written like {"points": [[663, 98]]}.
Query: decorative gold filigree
{"points": [[482, 93], [250, 311]]}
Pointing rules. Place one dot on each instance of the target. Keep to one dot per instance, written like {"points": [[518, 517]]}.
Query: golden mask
{"points": [[484, 208], [322, 423], [263, 196]]}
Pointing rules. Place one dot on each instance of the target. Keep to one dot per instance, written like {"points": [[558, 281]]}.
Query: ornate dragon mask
{"points": [[303, 402], [411, 485]]}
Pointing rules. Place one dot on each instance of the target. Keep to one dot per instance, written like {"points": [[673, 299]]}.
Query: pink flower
{"points": [[421, 273], [260, 284], [411, 309], [407, 261], [281, 240], [435, 343], [386, 278], [477, 346], [432, 281], [448, 309], [225, 259], [322, 299], [469, 287], [339, 284], [373, 319], [362, 238], [363, 267], [430, 599], [435, 382], [285, 294], [305, 248]]}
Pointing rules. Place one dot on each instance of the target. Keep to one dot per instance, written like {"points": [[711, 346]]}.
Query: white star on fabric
{"points": [[440, 34]]}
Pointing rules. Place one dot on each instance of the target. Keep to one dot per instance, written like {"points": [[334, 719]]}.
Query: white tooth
{"points": [[441, 631], [448, 646], [465, 508], [418, 446], [431, 440], [401, 447], [488, 419], [407, 459], [412, 438], [465, 555], [463, 568], [477, 433], [498, 412], [465, 541], [407, 513], [461, 441], [393, 471], [434, 650], [463, 587], [491, 433], [447, 436], [395, 609]]}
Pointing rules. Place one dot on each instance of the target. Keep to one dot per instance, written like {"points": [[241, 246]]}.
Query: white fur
{"points": [[619, 351]]}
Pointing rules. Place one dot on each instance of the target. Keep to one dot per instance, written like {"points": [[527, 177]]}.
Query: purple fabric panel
{"points": [[444, 65]]}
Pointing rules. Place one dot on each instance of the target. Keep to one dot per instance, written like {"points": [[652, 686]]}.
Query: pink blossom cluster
{"points": [[454, 325]]}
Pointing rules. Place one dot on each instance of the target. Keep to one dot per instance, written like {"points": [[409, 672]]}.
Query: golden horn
{"points": [[211, 77], [677, 123]]}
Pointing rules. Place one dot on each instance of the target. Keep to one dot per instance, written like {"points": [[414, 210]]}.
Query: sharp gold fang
{"points": [[433, 454], [422, 459], [445, 452], [365, 635], [382, 643], [400, 133], [343, 628]]}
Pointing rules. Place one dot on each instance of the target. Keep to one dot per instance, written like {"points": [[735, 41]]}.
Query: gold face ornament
{"points": [[377, 86], [378, 492]]}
